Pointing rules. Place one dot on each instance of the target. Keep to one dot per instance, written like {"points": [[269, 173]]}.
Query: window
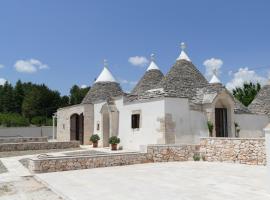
{"points": [[135, 121], [98, 126]]}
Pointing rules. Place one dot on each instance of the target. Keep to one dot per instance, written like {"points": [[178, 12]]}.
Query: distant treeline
{"points": [[27, 103]]}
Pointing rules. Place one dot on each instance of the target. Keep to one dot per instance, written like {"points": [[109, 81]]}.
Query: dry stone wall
{"points": [[23, 139], [170, 153], [37, 146], [85, 162], [234, 150]]}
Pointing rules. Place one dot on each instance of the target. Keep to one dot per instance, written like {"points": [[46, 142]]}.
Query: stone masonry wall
{"points": [[37, 146], [244, 151], [85, 162], [234, 150], [170, 153], [23, 139]]}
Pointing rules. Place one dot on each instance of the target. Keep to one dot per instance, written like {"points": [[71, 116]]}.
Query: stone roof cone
{"points": [[184, 78], [214, 78], [261, 103], [105, 87], [150, 79]]}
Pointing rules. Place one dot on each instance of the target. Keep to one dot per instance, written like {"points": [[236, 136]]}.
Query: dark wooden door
{"points": [[221, 123], [81, 128]]}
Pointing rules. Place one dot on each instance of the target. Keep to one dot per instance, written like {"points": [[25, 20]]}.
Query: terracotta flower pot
{"points": [[95, 144], [114, 147]]}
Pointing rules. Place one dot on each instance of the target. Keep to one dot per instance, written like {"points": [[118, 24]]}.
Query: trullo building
{"points": [[169, 109]]}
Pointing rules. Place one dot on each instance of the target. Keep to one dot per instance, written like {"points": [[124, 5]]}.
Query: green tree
{"points": [[77, 94], [18, 97], [7, 98], [247, 92]]}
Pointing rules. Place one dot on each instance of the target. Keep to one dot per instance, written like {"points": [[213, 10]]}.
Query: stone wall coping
{"points": [[85, 156], [12, 143], [22, 137], [227, 138], [171, 145]]}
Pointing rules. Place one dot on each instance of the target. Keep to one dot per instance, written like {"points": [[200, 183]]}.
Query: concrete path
{"points": [[162, 181]]}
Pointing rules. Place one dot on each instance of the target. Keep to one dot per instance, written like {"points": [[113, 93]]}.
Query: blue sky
{"points": [[64, 42]]}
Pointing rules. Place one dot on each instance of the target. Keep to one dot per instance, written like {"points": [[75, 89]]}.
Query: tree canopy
{"points": [[247, 92], [27, 103]]}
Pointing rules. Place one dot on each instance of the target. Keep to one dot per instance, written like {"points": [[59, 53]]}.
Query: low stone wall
{"points": [[65, 163], [37, 146], [22, 139], [234, 150], [170, 153]]}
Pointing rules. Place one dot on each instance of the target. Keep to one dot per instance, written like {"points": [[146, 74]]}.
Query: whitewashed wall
{"points": [[251, 125], [178, 108], [198, 123], [150, 131]]}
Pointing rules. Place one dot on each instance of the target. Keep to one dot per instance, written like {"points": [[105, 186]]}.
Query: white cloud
{"points": [[212, 65], [29, 66], [127, 82], [245, 75], [138, 61], [2, 81], [1, 66], [84, 86]]}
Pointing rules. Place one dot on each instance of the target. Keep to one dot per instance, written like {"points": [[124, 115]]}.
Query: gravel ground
{"points": [[27, 188], [3, 169], [32, 152]]}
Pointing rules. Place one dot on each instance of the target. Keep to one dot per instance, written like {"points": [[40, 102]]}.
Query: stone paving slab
{"points": [[162, 181], [3, 169]]}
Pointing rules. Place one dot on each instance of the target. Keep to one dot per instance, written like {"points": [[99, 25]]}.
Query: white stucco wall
{"points": [[198, 123], [178, 108], [251, 125], [150, 131], [267, 145]]}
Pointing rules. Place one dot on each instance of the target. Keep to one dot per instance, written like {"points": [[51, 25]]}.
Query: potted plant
{"points": [[210, 128], [94, 139], [114, 140]]}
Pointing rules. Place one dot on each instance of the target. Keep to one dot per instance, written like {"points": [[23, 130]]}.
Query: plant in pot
{"points": [[210, 128], [114, 141], [94, 139]]}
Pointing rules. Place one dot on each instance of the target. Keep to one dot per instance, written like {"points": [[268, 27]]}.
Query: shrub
{"points": [[13, 120], [114, 140], [210, 127], [196, 157], [94, 138], [41, 121]]}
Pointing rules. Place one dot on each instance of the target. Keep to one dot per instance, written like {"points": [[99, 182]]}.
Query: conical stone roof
{"points": [[104, 88], [150, 79], [261, 103], [183, 79]]}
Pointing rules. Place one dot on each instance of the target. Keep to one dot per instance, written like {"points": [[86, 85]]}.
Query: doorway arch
{"points": [[77, 127]]}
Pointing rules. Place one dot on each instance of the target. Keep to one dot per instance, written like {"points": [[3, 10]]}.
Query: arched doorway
{"points": [[106, 128], [109, 121], [223, 111], [77, 127]]}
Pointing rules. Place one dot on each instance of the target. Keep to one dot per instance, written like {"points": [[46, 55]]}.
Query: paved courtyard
{"points": [[162, 181]]}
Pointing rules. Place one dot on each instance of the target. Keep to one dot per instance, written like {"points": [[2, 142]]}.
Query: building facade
{"points": [[171, 109]]}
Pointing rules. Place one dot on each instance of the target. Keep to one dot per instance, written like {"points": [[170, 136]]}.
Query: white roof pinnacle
{"points": [[183, 55], [214, 79], [105, 75], [152, 64]]}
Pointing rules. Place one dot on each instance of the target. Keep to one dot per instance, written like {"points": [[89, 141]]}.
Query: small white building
{"points": [[169, 109]]}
